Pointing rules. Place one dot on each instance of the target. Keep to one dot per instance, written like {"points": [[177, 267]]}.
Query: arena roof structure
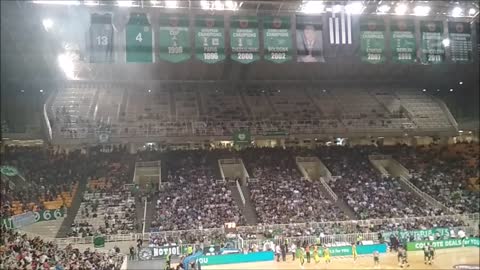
{"points": [[34, 34]]}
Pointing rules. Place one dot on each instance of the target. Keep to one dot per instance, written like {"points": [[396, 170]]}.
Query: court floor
{"points": [[445, 259]]}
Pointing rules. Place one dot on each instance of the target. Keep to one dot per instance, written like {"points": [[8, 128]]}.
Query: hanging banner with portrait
{"points": [[309, 39]]}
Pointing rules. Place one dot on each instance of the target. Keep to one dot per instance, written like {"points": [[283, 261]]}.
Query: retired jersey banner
{"points": [[174, 38], [244, 40], [209, 39], [277, 39], [372, 40], [309, 39], [404, 48], [139, 39], [433, 51], [460, 41], [101, 39]]}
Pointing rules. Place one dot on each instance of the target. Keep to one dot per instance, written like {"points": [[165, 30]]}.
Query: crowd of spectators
{"points": [[45, 174], [19, 251], [442, 172], [366, 191], [281, 194], [193, 196]]}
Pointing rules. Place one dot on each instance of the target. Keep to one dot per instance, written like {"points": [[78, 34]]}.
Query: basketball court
{"points": [[445, 259]]}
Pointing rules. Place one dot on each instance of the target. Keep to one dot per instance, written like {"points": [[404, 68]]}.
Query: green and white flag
{"points": [[372, 40], [404, 47], [174, 38], [277, 39], [139, 39], [209, 39], [244, 40], [460, 42], [433, 51], [241, 137]]}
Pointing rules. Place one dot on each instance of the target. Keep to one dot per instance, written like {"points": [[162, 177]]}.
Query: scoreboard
{"points": [[246, 39]]}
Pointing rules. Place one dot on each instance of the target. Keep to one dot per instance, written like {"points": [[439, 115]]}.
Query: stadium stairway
{"points": [[248, 210], [388, 166], [313, 169], [72, 211]]}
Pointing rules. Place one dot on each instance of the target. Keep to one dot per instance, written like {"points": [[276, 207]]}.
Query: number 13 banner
{"points": [[209, 39], [174, 38], [244, 39], [277, 39]]}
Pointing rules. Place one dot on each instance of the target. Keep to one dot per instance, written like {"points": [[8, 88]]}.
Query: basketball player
{"points": [[426, 253], [354, 252], [326, 255], [431, 253], [316, 257], [376, 258], [402, 257]]}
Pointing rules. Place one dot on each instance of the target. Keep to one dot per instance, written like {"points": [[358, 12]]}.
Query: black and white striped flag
{"points": [[340, 28]]}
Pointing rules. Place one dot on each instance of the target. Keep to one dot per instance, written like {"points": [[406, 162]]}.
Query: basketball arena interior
{"points": [[280, 134]]}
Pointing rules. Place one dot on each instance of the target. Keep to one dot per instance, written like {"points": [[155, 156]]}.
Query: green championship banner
{"points": [[309, 31], [433, 51], [244, 40], [372, 40], [139, 39], [439, 244], [209, 39], [460, 35], [277, 39], [174, 38], [241, 137], [404, 48]]}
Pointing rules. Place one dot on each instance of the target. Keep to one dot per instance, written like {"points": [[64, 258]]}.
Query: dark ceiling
{"points": [[28, 52]]}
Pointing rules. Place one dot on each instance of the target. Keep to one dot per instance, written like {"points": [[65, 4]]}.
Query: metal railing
{"points": [[329, 190]]}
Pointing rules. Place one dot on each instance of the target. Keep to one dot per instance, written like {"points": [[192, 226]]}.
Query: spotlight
{"points": [[472, 11], [336, 9], [421, 10], [446, 42], [47, 24], [311, 7], [401, 9], [171, 4], [354, 8], [457, 12], [383, 9]]}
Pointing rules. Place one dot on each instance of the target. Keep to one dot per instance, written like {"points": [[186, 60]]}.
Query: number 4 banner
{"points": [[244, 39], [139, 39]]}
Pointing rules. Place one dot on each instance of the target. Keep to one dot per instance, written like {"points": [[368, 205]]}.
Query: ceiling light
{"points": [[125, 3], [65, 61], [424, 90], [47, 24], [41, 90], [149, 90], [401, 9], [446, 42], [171, 4], [218, 5], [472, 11], [56, 2], [91, 3], [451, 89], [457, 12], [311, 7], [231, 5], [205, 4], [22, 91], [460, 83], [354, 8], [336, 8], [421, 10], [383, 9]]}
